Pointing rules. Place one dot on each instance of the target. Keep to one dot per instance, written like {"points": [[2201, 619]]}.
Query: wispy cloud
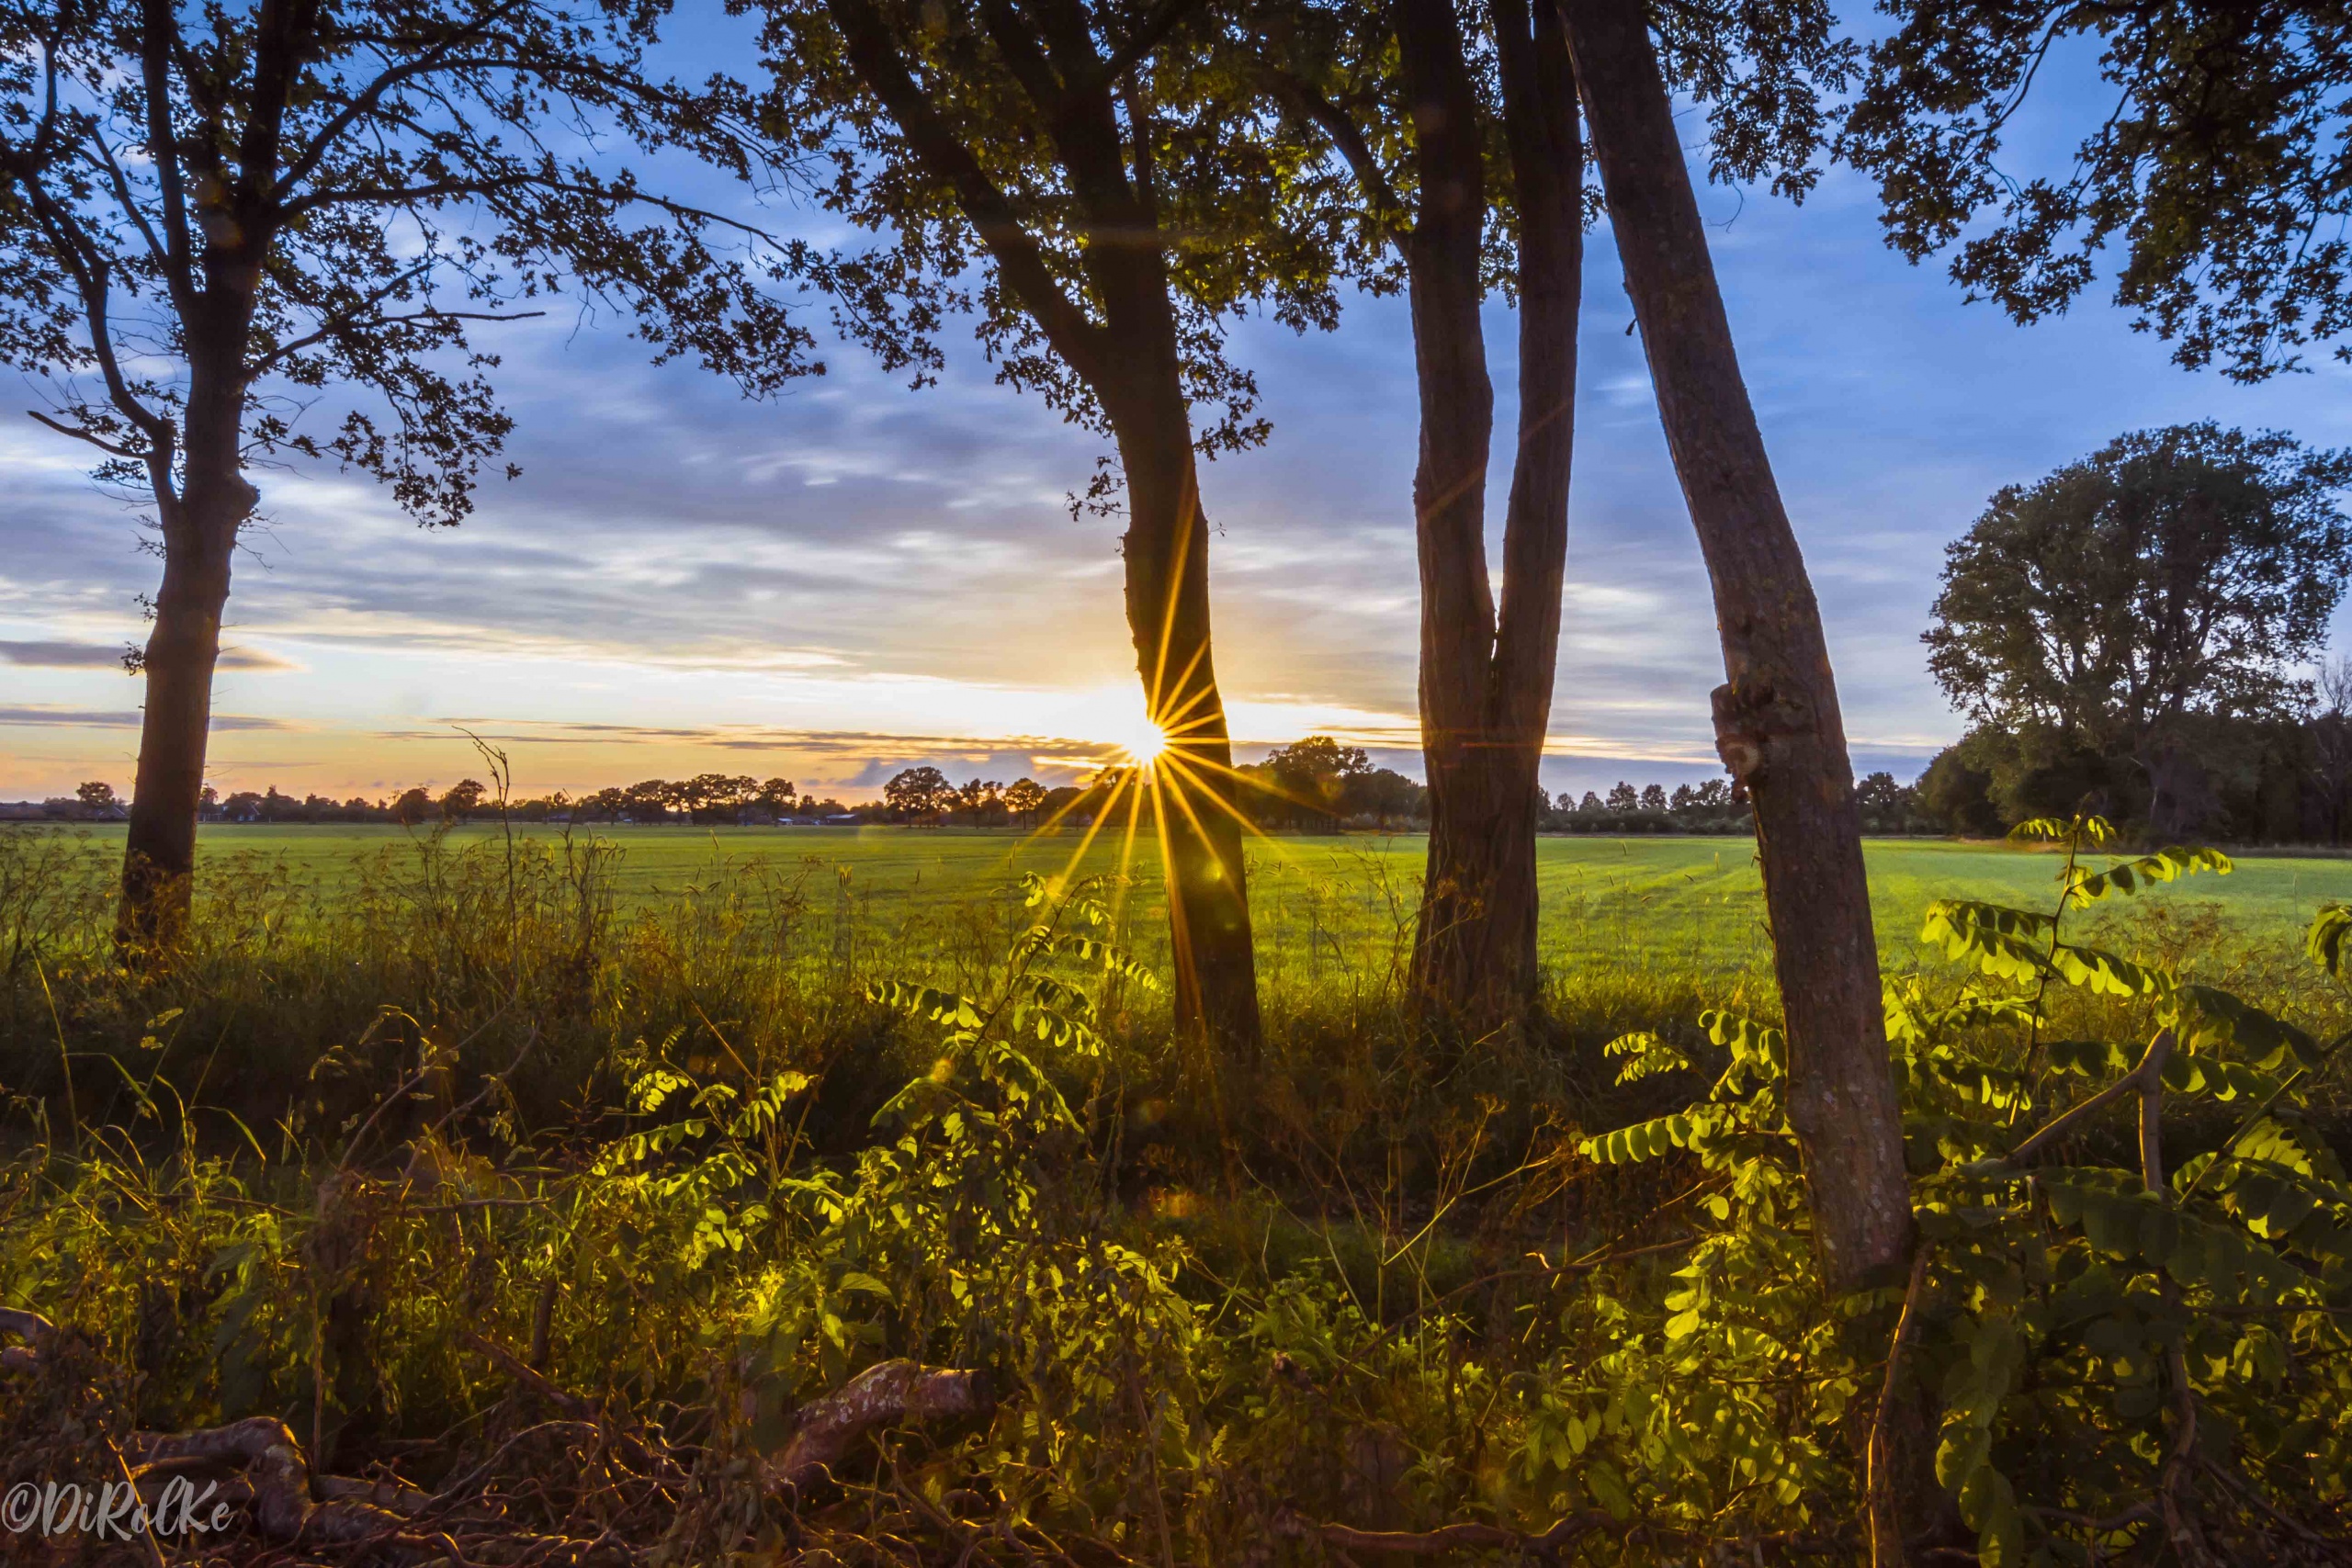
{"points": [[87, 718], [54, 655]]}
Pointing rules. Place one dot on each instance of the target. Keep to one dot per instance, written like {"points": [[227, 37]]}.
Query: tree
{"points": [[1653, 797], [776, 796], [1104, 167], [1777, 725], [713, 797], [1623, 798], [2331, 730], [917, 795], [1384, 795], [1310, 778], [413, 806], [461, 802], [2218, 166], [96, 797], [1024, 798], [223, 215], [2188, 570], [1459, 131], [647, 801]]}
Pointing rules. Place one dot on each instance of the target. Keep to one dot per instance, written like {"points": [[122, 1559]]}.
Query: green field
{"points": [[1329, 907]]}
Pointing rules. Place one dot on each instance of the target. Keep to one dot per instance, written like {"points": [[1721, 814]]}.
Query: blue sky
{"points": [[859, 576]]}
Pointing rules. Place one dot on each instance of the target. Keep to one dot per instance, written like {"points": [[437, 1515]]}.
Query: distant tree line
{"points": [[704, 798], [1314, 785]]}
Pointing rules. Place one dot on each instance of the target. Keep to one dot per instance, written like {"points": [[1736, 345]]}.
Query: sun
{"points": [[1113, 718], [1142, 740]]}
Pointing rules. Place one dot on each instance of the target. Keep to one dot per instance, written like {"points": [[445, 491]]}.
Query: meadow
{"points": [[1326, 906]]}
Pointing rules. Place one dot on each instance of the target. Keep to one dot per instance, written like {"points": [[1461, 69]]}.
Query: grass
{"points": [[1325, 906]]}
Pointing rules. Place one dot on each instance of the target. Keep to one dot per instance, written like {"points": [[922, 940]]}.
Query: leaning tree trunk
{"points": [[1194, 814], [1486, 680], [199, 528], [1777, 722]]}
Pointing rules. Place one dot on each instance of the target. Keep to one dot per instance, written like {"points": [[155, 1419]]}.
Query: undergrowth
{"points": [[573, 1220]]}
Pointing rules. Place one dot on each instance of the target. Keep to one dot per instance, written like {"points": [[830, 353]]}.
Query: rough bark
{"points": [[1485, 690], [159, 856], [200, 510], [1777, 721], [1199, 828]]}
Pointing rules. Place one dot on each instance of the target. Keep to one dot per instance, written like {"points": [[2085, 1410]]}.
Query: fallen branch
{"points": [[277, 1474], [530, 1377], [884, 1395]]}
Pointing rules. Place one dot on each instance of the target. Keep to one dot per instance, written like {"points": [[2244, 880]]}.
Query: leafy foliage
{"points": [[967, 141], [2119, 1354]]}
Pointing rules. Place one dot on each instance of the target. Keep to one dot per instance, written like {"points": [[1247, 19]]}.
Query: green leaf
{"points": [[2166, 864], [2326, 940], [2206, 1017]]}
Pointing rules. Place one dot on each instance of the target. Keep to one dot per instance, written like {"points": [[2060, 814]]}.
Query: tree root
{"points": [[882, 1395]]}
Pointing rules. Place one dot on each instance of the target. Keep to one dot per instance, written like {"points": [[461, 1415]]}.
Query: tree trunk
{"points": [[1487, 681], [1777, 722], [199, 528], [1191, 801]]}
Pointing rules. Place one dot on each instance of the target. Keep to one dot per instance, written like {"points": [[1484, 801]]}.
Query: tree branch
{"points": [[2134, 1082], [159, 29], [1348, 138], [882, 1395], [1149, 36], [110, 448], [874, 57]]}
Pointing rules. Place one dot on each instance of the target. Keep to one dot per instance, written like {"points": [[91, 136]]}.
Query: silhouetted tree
{"points": [[1024, 798], [462, 801], [919, 794], [2184, 571], [210, 215]]}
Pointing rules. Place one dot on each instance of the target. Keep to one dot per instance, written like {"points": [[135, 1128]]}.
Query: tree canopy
{"points": [[2187, 570], [1115, 105], [2218, 171], [362, 185]]}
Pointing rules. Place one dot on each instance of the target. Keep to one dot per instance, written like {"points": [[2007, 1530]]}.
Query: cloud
{"points": [[105, 655], [870, 748], [41, 717]]}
